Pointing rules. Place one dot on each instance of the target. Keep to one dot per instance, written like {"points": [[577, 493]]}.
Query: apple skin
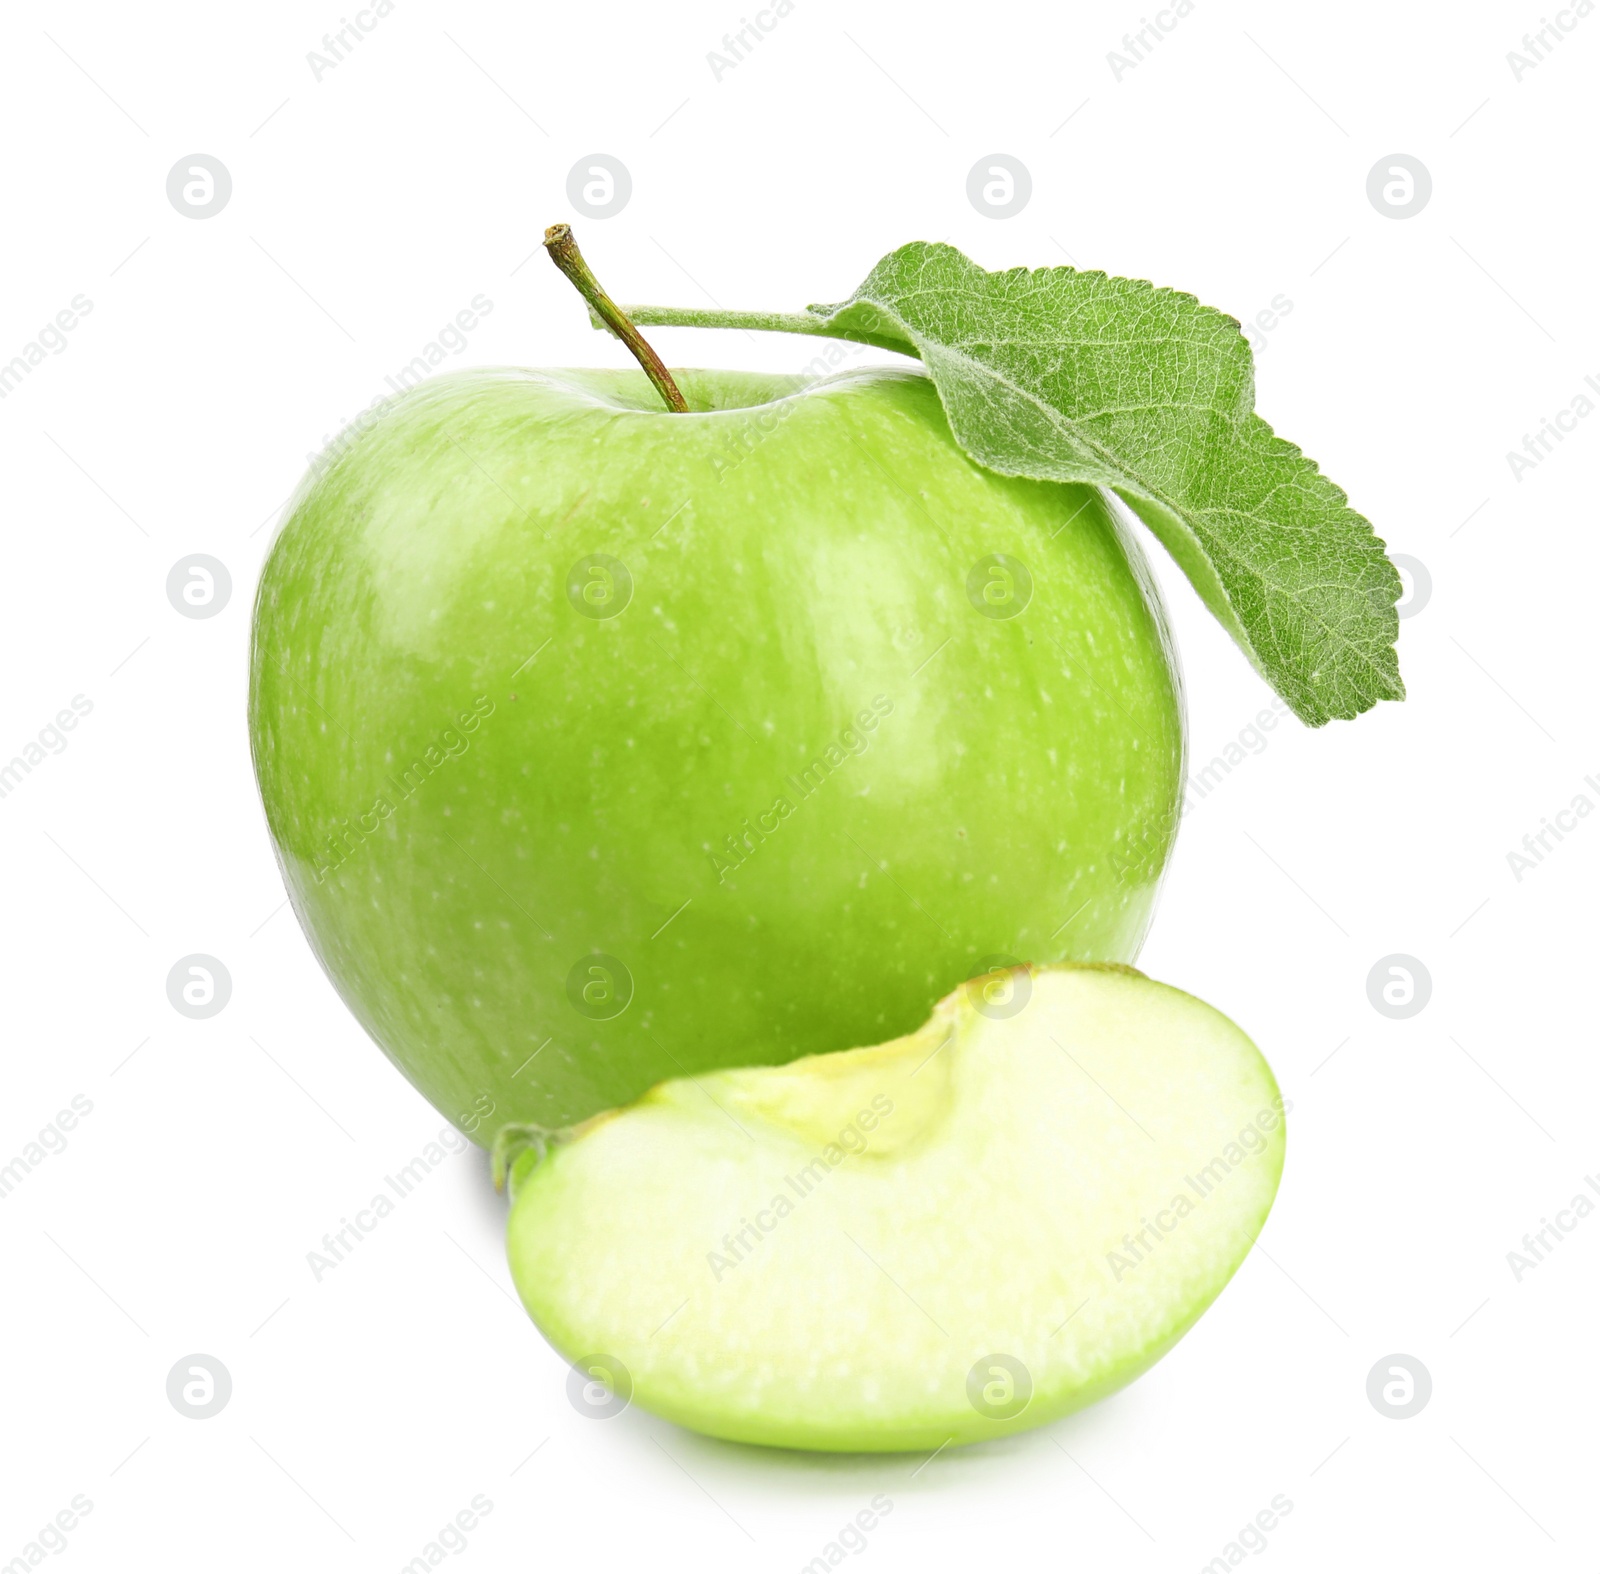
{"points": [[492, 772]]}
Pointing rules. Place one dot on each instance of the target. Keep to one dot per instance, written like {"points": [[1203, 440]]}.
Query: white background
{"points": [[367, 209]]}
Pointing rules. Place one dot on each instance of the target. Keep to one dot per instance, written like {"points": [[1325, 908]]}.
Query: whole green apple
{"points": [[602, 744]]}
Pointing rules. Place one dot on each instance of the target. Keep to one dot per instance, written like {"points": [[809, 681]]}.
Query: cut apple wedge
{"points": [[958, 1234]]}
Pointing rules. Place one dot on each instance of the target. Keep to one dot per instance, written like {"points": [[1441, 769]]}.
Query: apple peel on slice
{"points": [[957, 1234]]}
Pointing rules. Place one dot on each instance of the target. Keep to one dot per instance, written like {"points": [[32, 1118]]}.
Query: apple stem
{"points": [[565, 255]]}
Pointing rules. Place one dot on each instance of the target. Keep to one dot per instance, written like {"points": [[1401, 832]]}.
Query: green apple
{"points": [[602, 744], [970, 1230]]}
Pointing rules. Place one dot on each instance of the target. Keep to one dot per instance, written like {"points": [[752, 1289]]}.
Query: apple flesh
{"points": [[601, 744], [962, 1233]]}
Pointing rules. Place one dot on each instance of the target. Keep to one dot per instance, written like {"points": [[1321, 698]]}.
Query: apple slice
{"points": [[961, 1233]]}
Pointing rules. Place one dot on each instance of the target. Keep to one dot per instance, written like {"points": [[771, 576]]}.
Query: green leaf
{"points": [[1064, 375]]}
